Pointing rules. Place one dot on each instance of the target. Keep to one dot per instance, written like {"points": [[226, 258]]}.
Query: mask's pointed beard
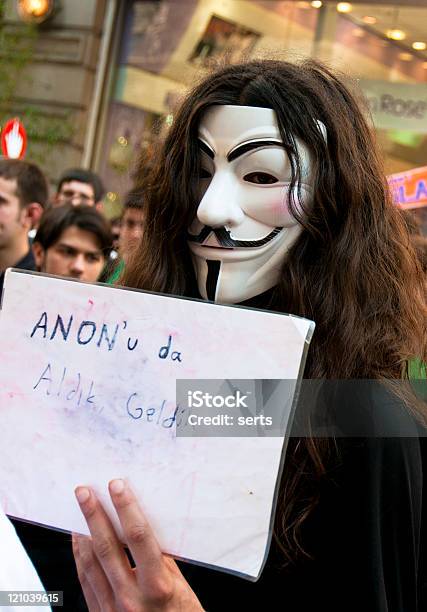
{"points": [[212, 278]]}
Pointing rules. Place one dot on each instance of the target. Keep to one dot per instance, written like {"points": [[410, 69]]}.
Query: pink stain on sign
{"points": [[90, 306]]}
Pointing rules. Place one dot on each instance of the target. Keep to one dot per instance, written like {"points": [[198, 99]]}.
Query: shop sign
{"points": [[13, 139], [409, 188], [397, 106]]}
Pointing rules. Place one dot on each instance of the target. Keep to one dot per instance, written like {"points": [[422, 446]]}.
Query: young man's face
{"points": [[75, 193], [76, 254], [131, 230], [13, 219]]}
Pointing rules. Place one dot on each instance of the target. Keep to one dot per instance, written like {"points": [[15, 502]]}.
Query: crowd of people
{"points": [[267, 192], [66, 235]]}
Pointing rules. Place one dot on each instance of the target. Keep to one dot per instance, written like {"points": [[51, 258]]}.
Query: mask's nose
{"points": [[220, 204]]}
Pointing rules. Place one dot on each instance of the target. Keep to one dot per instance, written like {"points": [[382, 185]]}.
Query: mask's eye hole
{"points": [[260, 178], [205, 174]]}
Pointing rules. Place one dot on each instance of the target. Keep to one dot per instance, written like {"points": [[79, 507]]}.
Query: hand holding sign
{"points": [[104, 569]]}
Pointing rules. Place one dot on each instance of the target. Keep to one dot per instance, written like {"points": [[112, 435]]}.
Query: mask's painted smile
{"points": [[226, 240]]}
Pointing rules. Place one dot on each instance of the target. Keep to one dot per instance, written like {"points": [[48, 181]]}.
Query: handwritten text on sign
{"points": [[87, 394]]}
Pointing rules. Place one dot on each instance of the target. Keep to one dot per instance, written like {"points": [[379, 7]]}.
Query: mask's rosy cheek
{"points": [[279, 208], [270, 207]]}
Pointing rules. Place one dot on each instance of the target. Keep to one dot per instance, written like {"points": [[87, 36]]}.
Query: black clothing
{"points": [[26, 263], [52, 556], [364, 536]]}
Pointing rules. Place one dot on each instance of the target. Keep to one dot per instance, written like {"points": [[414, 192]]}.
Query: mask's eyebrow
{"points": [[250, 146], [206, 149]]}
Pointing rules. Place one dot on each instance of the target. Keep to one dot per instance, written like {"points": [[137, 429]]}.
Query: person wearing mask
{"points": [[268, 192]]}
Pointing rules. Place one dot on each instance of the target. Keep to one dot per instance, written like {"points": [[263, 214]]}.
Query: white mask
{"points": [[244, 191]]}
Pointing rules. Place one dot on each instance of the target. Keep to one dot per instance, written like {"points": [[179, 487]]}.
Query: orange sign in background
{"points": [[409, 188]]}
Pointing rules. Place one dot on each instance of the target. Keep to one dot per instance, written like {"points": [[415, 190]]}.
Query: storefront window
{"points": [[167, 45]]}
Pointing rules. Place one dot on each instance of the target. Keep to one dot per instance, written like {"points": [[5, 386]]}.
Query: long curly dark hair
{"points": [[352, 269]]}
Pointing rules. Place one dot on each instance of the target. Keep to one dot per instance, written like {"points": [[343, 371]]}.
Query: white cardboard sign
{"points": [[87, 394]]}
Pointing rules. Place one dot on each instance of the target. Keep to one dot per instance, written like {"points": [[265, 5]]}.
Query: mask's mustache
{"points": [[224, 238]]}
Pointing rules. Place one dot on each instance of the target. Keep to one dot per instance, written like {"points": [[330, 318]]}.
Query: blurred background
{"points": [[96, 81]]}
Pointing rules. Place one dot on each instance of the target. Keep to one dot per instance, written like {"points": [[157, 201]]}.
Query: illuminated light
{"points": [[358, 33], [111, 195], [405, 57], [35, 10], [316, 4], [369, 20], [396, 34], [303, 5], [122, 141], [169, 119], [419, 46], [344, 7]]}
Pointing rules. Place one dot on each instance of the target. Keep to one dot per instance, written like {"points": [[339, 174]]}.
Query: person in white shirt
{"points": [[17, 573]]}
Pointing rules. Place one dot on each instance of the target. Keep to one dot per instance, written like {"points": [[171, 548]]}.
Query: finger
{"points": [[138, 535], [108, 549], [89, 595], [90, 598], [95, 587]]}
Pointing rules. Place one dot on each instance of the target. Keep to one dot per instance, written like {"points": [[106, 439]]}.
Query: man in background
{"points": [[80, 186], [72, 241], [23, 196]]}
